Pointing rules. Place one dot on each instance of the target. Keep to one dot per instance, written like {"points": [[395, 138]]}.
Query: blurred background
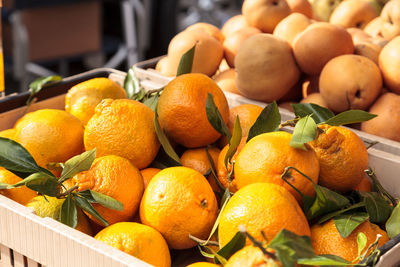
{"points": [[66, 37]]}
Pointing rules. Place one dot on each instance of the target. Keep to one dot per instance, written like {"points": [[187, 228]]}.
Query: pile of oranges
{"points": [[172, 208], [338, 54]]}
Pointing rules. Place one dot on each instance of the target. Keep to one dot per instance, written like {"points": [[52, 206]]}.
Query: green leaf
{"points": [[329, 216], [304, 132], [163, 161], [39, 84], [186, 62], [268, 121], [236, 243], [378, 208], [14, 157], [234, 142], [42, 183], [326, 201], [169, 150], [215, 118], [152, 102], [349, 117], [318, 113], [132, 86], [325, 260], [84, 204], [106, 201], [205, 254], [77, 164], [393, 223], [346, 223], [290, 247], [69, 215], [361, 242]]}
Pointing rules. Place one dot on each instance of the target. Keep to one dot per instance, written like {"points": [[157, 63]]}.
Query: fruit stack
{"points": [[338, 54]]}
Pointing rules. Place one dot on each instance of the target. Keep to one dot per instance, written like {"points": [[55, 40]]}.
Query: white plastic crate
{"points": [[29, 240]]}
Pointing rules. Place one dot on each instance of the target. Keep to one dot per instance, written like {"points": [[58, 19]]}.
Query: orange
{"points": [[301, 6], [124, 128], [22, 195], [265, 157], [148, 174], [233, 24], [177, 202], [9, 133], [115, 177], [50, 135], [82, 99], [138, 240], [261, 207], [364, 185], [202, 264], [226, 81], [197, 159], [342, 157], [222, 170], [182, 109], [326, 239], [251, 256], [248, 114], [51, 207]]}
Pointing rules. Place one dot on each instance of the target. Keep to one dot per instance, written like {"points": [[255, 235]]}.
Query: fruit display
{"points": [[273, 49], [176, 170]]}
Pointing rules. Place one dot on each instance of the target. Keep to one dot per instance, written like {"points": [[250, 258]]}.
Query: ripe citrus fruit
{"points": [[182, 109], [251, 256], [179, 201], [364, 185], [291, 26], [222, 170], [353, 13], [248, 114], [22, 195], [50, 135], [326, 239], [115, 177], [209, 29], [138, 240], [148, 174], [9, 133], [233, 24], [342, 157], [261, 206], [82, 99], [197, 159], [124, 128], [51, 207], [265, 157]]}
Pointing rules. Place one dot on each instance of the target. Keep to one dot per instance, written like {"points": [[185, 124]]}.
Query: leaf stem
{"points": [[256, 243], [291, 123], [202, 242], [69, 191], [381, 190]]}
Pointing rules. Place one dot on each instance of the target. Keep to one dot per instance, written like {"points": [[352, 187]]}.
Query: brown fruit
{"points": [[389, 63], [294, 93], [353, 13], [315, 98], [391, 19], [368, 50], [291, 26], [163, 66], [374, 27], [209, 29], [233, 42], [350, 82], [226, 80], [318, 44], [233, 24], [206, 47], [310, 85], [387, 123], [358, 35], [266, 69], [265, 14], [301, 6]]}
